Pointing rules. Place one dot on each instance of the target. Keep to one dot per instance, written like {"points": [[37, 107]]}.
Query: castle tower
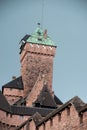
{"points": [[36, 56]]}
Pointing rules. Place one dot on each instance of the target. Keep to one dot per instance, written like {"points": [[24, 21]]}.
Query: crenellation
{"points": [[16, 120], [34, 61], [48, 125], [32, 125]]}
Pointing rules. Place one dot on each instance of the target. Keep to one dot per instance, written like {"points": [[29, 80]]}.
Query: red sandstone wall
{"points": [[13, 92], [35, 91], [36, 59], [66, 122], [9, 119], [12, 95], [32, 125]]}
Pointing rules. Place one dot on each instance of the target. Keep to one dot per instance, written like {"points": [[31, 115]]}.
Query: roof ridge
{"points": [[70, 102], [43, 97], [16, 84]]}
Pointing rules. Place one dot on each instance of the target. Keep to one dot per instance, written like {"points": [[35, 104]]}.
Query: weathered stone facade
{"points": [[36, 60], [28, 102]]}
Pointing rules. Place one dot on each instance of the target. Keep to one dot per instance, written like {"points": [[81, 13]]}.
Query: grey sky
{"points": [[66, 22]]}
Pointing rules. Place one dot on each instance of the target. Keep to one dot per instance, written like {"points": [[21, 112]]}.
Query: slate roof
{"points": [[25, 37], [4, 105], [20, 101], [14, 84], [57, 100], [23, 110], [83, 109], [37, 37], [76, 102], [36, 117], [79, 105], [45, 99], [23, 42]]}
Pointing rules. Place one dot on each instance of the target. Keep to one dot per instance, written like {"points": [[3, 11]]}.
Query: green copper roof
{"points": [[39, 37]]}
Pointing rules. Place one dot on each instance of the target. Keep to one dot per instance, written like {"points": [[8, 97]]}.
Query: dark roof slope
{"points": [[76, 102], [15, 84], [23, 110], [57, 100], [83, 109], [4, 105], [45, 99], [36, 117], [21, 101], [25, 37], [23, 42]]}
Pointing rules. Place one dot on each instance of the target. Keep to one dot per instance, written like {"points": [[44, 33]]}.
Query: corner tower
{"points": [[36, 56]]}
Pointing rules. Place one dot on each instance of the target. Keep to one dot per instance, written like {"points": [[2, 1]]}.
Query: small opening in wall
{"points": [[6, 114], [51, 121], [27, 126], [68, 111], [59, 117], [37, 128], [39, 39], [43, 126], [81, 118], [11, 115]]}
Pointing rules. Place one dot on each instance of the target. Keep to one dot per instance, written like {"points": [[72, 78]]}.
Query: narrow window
{"points": [[68, 111], [37, 128], [27, 126], [59, 117], [81, 118], [6, 114], [51, 121], [43, 126], [11, 115]]}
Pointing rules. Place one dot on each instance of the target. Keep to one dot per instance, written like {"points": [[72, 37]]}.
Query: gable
{"points": [[16, 84], [45, 99]]}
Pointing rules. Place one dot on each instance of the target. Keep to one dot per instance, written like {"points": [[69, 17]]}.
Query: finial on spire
{"points": [[38, 24]]}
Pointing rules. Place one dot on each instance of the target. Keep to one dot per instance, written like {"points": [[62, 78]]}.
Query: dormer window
{"points": [[39, 33], [39, 39]]}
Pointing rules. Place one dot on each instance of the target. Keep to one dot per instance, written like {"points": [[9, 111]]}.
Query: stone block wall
{"points": [[12, 120], [36, 59], [12, 95], [65, 121]]}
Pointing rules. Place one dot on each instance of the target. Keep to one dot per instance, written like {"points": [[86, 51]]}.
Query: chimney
{"points": [[45, 33]]}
